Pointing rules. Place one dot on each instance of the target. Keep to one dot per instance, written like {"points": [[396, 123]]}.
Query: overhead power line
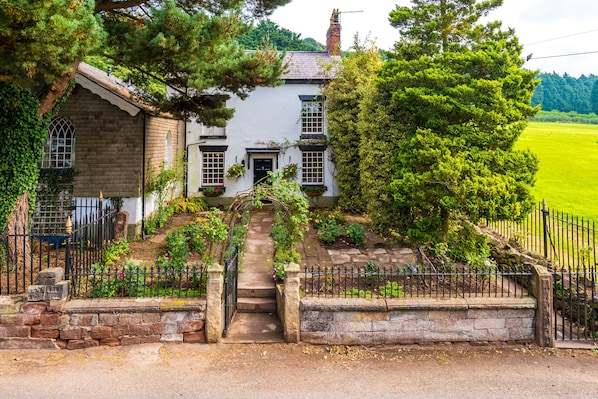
{"points": [[561, 37], [530, 57]]}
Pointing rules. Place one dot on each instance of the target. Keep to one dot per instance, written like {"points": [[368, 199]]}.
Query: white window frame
{"points": [[312, 116], [59, 149], [212, 168], [312, 167]]}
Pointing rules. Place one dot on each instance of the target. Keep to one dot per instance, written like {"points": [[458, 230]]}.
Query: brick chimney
{"points": [[333, 36]]}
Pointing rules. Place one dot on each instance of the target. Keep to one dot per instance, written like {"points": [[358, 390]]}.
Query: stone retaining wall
{"points": [[85, 323], [417, 321]]}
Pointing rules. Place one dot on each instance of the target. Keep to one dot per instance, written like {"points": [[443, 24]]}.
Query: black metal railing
{"points": [[24, 253], [566, 240], [412, 282], [133, 281], [575, 301]]}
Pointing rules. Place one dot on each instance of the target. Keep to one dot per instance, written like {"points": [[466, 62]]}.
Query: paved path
{"points": [[296, 371]]}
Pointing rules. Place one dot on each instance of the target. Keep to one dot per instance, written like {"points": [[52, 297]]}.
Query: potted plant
{"points": [[213, 191], [289, 171], [314, 191], [235, 171]]}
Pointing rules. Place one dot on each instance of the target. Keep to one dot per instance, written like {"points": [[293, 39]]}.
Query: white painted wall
{"points": [[267, 115]]}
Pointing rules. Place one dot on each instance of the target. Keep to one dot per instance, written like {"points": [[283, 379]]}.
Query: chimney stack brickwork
{"points": [[333, 36]]}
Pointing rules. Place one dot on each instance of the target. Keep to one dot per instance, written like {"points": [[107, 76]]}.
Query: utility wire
{"points": [[561, 37], [529, 57]]}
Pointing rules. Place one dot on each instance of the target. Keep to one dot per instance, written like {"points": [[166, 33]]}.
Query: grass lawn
{"points": [[568, 171]]}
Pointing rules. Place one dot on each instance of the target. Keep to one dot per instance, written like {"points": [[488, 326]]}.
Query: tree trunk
{"points": [[19, 247], [17, 230]]}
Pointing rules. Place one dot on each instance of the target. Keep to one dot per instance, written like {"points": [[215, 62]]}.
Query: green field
{"points": [[568, 171]]}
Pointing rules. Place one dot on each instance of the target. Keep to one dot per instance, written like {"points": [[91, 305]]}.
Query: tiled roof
{"points": [[308, 65]]}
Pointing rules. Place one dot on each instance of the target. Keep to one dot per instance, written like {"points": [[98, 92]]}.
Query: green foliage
{"points": [[268, 33], [463, 98], [344, 96], [565, 117], [321, 216], [189, 205], [355, 232], [43, 38], [566, 93], [330, 232], [115, 251], [235, 171], [157, 220], [372, 271], [392, 289], [199, 236], [20, 153], [354, 292], [278, 272]]}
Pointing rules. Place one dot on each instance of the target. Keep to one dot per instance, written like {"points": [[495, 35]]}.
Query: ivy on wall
{"points": [[21, 147]]}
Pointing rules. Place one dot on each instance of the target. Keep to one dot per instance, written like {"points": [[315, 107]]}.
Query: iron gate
{"points": [[575, 304], [231, 264]]}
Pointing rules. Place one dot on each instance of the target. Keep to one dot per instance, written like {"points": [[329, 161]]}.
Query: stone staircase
{"points": [[256, 320]]}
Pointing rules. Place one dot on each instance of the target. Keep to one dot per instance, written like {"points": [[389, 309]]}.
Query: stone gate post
{"points": [[291, 322], [214, 310]]}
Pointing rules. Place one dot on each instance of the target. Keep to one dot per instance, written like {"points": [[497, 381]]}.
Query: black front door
{"points": [[261, 166]]}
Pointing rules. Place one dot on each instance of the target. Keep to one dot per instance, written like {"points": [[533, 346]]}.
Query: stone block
{"points": [[37, 293], [314, 326], [171, 338], [454, 325], [19, 319], [403, 315], [82, 344], [311, 315], [369, 338], [130, 318], [120, 331], [173, 316], [110, 342], [165, 328], [402, 337], [489, 324], [101, 332], [151, 317], [71, 333], [417, 325], [44, 332], [49, 319], [191, 326], [194, 337], [28, 343], [342, 338], [315, 338], [108, 319], [149, 339], [50, 276], [15, 331], [34, 308], [521, 334], [141, 330], [482, 313]]}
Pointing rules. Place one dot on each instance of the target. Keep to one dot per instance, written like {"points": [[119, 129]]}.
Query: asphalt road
{"points": [[298, 371]]}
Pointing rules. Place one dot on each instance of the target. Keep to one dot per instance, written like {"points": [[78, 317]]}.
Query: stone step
{"points": [[251, 328], [251, 291], [256, 305]]}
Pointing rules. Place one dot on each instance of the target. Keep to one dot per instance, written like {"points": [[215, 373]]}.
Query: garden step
{"points": [[251, 291], [258, 328], [256, 305]]}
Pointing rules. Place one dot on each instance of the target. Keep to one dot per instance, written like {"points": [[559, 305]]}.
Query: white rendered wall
{"points": [[269, 117]]}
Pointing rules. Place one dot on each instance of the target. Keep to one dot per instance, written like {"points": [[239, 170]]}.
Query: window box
{"points": [[314, 191], [213, 191]]}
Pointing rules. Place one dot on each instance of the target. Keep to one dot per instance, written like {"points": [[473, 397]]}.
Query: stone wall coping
{"points": [[384, 305], [135, 305]]}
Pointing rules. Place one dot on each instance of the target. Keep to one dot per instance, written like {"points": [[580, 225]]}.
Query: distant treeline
{"points": [[566, 117], [567, 94]]}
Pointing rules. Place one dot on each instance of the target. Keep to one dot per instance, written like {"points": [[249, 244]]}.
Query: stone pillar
{"points": [[50, 285], [214, 310], [121, 223], [291, 322], [542, 290]]}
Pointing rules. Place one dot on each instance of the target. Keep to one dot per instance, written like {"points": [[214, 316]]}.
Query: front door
{"points": [[261, 167]]}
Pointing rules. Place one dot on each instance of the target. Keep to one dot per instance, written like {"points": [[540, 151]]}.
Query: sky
{"points": [[546, 28]]}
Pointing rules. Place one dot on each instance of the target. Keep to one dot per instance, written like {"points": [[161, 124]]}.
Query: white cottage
{"points": [[272, 128]]}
